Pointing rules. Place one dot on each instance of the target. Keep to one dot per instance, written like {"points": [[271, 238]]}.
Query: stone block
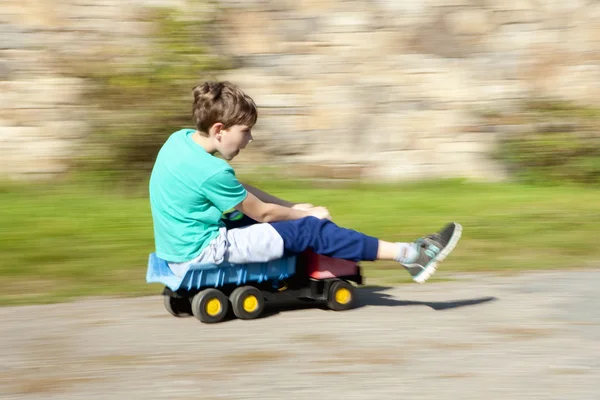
{"points": [[26, 62], [298, 29], [584, 35], [65, 130], [464, 147], [403, 8], [509, 5], [16, 138], [469, 22], [434, 37], [550, 8], [15, 37], [398, 166], [346, 22], [577, 83], [313, 8], [5, 71], [47, 91]]}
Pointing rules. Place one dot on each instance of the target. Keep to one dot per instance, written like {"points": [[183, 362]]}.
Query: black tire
{"points": [[247, 302], [341, 296], [210, 306], [178, 306]]}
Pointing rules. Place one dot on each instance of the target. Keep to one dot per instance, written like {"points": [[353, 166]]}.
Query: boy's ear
{"points": [[217, 129]]}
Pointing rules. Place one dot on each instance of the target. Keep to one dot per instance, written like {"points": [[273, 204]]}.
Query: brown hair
{"points": [[222, 102]]}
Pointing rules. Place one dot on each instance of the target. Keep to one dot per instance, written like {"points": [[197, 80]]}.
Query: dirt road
{"points": [[535, 336]]}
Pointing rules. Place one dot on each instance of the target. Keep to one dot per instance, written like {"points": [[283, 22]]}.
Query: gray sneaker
{"points": [[433, 249]]}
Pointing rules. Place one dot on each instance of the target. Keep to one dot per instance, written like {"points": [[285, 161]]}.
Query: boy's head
{"points": [[224, 114]]}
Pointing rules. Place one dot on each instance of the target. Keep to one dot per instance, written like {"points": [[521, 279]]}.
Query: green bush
{"points": [[560, 143]]}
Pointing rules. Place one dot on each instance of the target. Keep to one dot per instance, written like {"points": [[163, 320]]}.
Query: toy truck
{"points": [[209, 291]]}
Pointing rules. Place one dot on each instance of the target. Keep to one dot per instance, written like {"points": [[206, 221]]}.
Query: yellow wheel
{"points": [[250, 303], [341, 296], [213, 307], [210, 305], [247, 302]]}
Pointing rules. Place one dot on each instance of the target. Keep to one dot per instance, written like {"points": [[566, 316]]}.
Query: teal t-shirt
{"points": [[189, 191]]}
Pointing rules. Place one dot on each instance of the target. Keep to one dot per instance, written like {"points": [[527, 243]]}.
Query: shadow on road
{"points": [[372, 296], [376, 296]]}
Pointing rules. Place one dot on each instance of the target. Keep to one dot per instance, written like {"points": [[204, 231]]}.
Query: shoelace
{"points": [[433, 237]]}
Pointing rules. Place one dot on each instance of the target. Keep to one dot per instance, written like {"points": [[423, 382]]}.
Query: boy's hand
{"points": [[319, 212], [303, 206]]}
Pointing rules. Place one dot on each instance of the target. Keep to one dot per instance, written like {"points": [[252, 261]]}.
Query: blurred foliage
{"points": [[140, 105], [558, 143]]}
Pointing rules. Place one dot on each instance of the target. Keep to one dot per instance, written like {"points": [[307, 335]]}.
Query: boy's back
{"points": [[189, 190]]}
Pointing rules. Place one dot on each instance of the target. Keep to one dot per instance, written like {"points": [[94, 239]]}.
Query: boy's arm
{"points": [[261, 211], [267, 198]]}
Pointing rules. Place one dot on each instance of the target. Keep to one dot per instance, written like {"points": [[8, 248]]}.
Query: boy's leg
{"points": [[420, 258], [248, 244], [265, 242]]}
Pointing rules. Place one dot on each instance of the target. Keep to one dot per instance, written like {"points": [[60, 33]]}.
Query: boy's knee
{"points": [[311, 222], [306, 227]]}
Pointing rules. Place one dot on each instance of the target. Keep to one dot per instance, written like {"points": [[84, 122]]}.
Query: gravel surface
{"points": [[499, 337]]}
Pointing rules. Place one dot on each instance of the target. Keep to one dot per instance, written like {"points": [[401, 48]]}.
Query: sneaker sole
{"points": [[432, 267]]}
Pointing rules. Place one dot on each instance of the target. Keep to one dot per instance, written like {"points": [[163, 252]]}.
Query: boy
{"points": [[190, 189]]}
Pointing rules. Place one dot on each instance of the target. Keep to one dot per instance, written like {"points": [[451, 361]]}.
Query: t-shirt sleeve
{"points": [[224, 190]]}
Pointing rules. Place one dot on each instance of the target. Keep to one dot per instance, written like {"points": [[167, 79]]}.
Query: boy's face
{"points": [[233, 139]]}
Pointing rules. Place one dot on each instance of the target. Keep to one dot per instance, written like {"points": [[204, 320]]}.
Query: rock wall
{"points": [[43, 116], [377, 89]]}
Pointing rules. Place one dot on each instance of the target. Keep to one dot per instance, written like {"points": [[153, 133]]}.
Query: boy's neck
{"points": [[205, 142]]}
